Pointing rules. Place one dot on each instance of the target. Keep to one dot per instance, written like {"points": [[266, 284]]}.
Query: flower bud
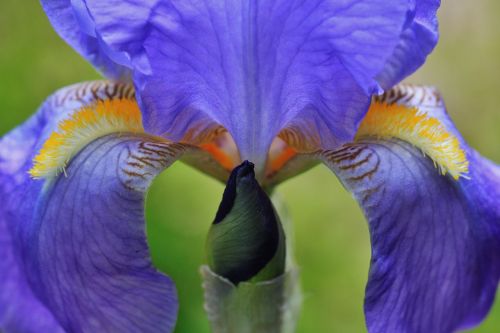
{"points": [[246, 241]]}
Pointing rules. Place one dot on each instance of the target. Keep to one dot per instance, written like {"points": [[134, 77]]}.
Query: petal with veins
{"points": [[435, 240], [77, 30], [418, 39], [26, 305], [84, 242], [257, 67]]}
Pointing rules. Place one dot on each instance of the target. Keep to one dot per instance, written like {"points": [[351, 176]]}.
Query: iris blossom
{"points": [[283, 84]]}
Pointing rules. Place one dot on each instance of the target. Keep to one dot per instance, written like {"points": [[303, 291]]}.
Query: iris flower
{"points": [[283, 84]]}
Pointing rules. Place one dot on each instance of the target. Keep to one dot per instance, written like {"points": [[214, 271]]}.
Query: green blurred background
{"points": [[331, 238]]}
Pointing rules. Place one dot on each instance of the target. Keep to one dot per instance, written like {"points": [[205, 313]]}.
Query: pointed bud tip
{"points": [[243, 171], [246, 237]]}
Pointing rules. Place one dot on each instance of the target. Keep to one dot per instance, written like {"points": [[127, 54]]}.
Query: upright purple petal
{"points": [[70, 20], [435, 263], [258, 67], [417, 40]]}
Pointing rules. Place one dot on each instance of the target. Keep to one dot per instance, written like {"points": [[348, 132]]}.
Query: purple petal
{"points": [[71, 21], [20, 309], [18, 147], [258, 67], [84, 240], [435, 241], [56, 285], [416, 42]]}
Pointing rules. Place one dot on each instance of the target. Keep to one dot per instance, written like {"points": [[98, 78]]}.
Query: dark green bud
{"points": [[246, 241]]}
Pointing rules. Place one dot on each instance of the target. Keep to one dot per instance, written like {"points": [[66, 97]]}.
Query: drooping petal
{"points": [[27, 306], [257, 67], [71, 21], [84, 241], [435, 242], [20, 310]]}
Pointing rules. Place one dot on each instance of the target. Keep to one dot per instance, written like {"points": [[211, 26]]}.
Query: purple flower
{"points": [[284, 84], [253, 67]]}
